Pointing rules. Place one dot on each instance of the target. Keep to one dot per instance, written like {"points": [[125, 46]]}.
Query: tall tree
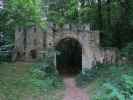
{"points": [[109, 12], [100, 17], [20, 13]]}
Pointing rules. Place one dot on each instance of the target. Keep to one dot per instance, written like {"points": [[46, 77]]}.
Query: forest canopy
{"points": [[113, 18]]}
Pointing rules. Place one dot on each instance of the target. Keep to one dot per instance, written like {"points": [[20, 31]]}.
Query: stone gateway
{"points": [[30, 42]]}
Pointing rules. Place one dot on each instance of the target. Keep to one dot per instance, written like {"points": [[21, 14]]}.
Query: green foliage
{"points": [[115, 83], [128, 51], [86, 76], [122, 91], [23, 13], [108, 92], [47, 63], [116, 18], [104, 72], [71, 13], [62, 9], [44, 74], [88, 15], [127, 85], [53, 16], [16, 83], [18, 13], [6, 53], [61, 22]]}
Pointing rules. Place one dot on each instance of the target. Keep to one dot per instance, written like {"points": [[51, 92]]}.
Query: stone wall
{"points": [[28, 43], [36, 41], [107, 55], [89, 40]]}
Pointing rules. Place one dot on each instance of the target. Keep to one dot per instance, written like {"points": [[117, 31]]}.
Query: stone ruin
{"points": [[30, 42]]}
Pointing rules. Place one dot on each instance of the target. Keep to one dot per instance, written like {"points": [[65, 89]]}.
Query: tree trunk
{"points": [[100, 18], [125, 6], [25, 39], [109, 13]]}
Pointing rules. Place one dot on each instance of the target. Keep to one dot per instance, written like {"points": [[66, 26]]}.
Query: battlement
{"points": [[72, 27], [31, 41]]}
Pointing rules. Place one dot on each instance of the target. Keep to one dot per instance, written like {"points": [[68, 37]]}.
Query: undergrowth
{"points": [[117, 82], [44, 74], [114, 81]]}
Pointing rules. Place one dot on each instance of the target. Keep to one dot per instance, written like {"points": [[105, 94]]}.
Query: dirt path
{"points": [[72, 92]]}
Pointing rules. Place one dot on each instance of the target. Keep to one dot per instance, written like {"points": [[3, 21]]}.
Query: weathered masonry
{"points": [[30, 42], [89, 41]]}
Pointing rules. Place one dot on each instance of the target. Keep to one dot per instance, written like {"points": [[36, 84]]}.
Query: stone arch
{"points": [[88, 39], [68, 37], [69, 58], [65, 35], [82, 37]]}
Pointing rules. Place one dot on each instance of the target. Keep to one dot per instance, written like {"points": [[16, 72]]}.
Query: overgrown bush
{"points": [[108, 92], [44, 74], [86, 76], [128, 51], [6, 53], [126, 86], [122, 91], [117, 83]]}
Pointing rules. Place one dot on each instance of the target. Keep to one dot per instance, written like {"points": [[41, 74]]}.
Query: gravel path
{"points": [[72, 92]]}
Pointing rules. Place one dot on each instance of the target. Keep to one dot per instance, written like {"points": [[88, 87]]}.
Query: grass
{"points": [[95, 78], [15, 84], [108, 74]]}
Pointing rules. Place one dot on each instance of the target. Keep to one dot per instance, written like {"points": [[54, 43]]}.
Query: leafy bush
{"points": [[114, 81], [47, 63], [98, 71], [128, 51], [44, 74], [108, 92], [120, 88], [127, 85], [86, 76], [6, 52]]}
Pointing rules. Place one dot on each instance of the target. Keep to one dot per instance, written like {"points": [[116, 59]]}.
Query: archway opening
{"points": [[69, 57]]}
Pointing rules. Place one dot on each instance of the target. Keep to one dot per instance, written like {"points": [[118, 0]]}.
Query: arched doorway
{"points": [[69, 57]]}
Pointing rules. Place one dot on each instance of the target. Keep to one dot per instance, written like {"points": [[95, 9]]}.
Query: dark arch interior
{"points": [[69, 57]]}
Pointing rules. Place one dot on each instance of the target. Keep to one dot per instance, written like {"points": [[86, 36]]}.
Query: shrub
{"points": [[116, 82], [108, 92], [128, 51], [127, 85], [44, 74], [86, 76], [6, 52], [123, 90]]}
